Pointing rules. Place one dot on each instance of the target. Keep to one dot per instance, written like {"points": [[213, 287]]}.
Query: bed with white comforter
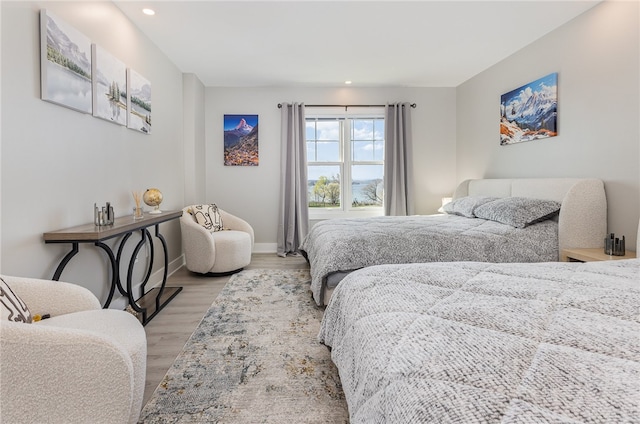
{"points": [[470, 342]]}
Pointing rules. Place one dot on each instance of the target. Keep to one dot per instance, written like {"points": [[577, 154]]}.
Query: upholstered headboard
{"points": [[583, 216]]}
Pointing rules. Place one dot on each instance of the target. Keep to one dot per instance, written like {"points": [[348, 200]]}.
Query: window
{"points": [[345, 158]]}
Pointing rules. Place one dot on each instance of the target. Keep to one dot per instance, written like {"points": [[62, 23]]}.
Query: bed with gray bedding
{"points": [[343, 245], [470, 342], [337, 247]]}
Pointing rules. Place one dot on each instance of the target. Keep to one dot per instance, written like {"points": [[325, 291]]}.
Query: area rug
{"points": [[254, 358]]}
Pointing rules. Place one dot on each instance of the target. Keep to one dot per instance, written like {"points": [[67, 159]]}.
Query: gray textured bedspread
{"points": [[488, 343], [344, 245]]}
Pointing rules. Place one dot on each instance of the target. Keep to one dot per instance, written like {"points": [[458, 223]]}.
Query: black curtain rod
{"points": [[413, 105]]}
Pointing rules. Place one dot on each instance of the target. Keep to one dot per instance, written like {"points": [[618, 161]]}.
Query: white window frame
{"points": [[346, 209]]}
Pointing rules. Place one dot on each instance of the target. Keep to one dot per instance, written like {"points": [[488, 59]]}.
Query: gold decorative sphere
{"points": [[153, 197]]}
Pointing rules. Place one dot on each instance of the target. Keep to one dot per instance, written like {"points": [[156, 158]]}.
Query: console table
{"points": [[150, 302]]}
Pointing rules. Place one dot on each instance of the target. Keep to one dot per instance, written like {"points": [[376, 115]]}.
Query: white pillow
{"points": [[208, 216], [11, 306]]}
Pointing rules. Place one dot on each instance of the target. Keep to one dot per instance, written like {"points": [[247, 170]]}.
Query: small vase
{"points": [[137, 213]]}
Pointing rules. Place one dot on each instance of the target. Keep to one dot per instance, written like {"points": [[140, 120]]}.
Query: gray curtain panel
{"points": [[293, 220], [398, 165]]}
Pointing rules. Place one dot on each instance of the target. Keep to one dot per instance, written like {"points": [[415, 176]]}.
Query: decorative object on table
{"points": [[109, 86], [241, 140], [138, 213], [103, 216], [138, 102], [153, 197], [65, 58], [530, 112], [137, 210], [613, 245]]}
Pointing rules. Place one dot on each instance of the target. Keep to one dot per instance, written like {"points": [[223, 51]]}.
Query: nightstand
{"points": [[589, 255]]}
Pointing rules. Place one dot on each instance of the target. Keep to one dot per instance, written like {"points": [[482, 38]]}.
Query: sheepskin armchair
{"points": [[84, 364], [216, 251]]}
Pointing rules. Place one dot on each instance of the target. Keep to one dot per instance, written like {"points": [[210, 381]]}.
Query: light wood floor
{"points": [[168, 331]]}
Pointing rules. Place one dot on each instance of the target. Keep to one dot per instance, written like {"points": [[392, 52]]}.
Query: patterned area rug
{"points": [[254, 358]]}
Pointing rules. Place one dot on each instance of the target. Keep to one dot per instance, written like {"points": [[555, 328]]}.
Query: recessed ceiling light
{"points": [[149, 12], [347, 82]]}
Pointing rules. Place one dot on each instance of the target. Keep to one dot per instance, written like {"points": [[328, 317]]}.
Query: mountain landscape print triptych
{"points": [[530, 112], [241, 140], [85, 77]]}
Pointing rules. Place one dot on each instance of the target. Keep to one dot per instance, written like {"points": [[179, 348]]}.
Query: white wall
{"points": [[596, 56], [56, 162], [253, 192], [194, 140]]}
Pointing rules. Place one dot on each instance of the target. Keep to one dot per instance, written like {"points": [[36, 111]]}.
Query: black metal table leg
{"points": [[152, 255], [152, 301], [119, 261], [65, 261], [115, 274], [166, 265], [132, 301]]}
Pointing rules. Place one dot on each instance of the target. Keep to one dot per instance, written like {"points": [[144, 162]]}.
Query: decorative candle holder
{"points": [[614, 246], [103, 216]]}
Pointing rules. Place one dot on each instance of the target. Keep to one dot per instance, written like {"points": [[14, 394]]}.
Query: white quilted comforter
{"points": [[470, 342]]}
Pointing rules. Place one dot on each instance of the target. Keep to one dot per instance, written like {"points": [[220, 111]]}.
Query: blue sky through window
{"points": [[323, 145]]}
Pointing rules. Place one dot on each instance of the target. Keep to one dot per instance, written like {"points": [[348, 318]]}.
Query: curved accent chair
{"points": [[218, 246], [84, 364]]}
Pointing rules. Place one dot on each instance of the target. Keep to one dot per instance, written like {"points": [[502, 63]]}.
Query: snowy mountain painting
{"points": [[65, 64], [241, 140], [530, 112]]}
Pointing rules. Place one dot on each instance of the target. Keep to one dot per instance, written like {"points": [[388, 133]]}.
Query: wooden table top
{"points": [[91, 232]]}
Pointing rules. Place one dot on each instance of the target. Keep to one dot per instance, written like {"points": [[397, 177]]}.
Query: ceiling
{"points": [[324, 43]]}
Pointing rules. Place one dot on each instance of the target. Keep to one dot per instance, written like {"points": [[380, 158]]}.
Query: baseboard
{"points": [[174, 265], [265, 247], [156, 278]]}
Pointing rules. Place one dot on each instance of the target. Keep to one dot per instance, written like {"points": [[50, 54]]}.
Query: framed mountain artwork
{"points": [[241, 140], [65, 60], [530, 112]]}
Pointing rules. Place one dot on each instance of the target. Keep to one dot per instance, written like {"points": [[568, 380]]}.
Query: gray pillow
{"points": [[465, 206], [518, 211]]}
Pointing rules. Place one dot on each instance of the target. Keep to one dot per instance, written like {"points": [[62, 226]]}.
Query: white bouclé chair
{"points": [[84, 364], [213, 252]]}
